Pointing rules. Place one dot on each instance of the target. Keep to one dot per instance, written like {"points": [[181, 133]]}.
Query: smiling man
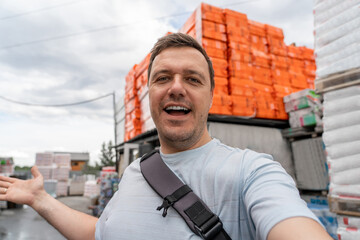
{"points": [[252, 194], [180, 94]]}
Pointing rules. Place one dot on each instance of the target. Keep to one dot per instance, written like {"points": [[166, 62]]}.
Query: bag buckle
{"points": [[165, 205], [210, 228]]}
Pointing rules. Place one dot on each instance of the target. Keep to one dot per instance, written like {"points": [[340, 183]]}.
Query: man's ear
{"points": [[211, 101]]}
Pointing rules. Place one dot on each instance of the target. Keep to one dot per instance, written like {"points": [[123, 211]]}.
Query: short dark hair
{"points": [[180, 40]]}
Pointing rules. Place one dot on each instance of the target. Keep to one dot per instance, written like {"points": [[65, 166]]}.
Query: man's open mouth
{"points": [[177, 110]]}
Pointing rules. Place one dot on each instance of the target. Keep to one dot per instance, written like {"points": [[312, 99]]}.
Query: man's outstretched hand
{"points": [[22, 191]]}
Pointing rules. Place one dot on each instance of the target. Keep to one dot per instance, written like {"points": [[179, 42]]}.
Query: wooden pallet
{"points": [[301, 132], [345, 205], [338, 80]]}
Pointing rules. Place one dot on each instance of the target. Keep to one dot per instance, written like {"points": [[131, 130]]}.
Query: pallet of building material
{"points": [[301, 132], [310, 164], [345, 205], [338, 80]]}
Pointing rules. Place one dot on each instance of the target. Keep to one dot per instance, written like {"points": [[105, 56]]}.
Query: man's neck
{"points": [[175, 147]]}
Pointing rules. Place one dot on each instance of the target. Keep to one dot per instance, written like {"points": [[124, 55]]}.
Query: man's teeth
{"points": [[176, 108]]}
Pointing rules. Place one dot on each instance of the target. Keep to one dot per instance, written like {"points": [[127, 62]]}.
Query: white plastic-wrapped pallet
{"points": [[44, 159], [348, 221], [337, 36], [348, 227], [348, 233], [62, 159], [342, 140]]}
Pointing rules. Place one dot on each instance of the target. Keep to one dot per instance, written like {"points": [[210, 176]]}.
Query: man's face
{"points": [[180, 98]]}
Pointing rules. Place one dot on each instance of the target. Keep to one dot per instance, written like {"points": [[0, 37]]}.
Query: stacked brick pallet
{"points": [[254, 69], [55, 169]]}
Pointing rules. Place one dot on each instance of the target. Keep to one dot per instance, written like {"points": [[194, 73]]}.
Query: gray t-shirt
{"points": [[248, 191]]}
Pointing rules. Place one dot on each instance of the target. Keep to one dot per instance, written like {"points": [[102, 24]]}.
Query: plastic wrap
{"points": [[341, 121], [348, 233], [342, 135], [344, 163], [341, 106], [342, 93], [347, 221], [345, 190], [347, 177]]}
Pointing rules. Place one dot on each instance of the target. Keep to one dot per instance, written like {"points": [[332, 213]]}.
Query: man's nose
{"points": [[177, 87]]}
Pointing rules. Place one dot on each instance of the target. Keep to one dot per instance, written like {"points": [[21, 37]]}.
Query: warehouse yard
{"points": [[25, 223]]}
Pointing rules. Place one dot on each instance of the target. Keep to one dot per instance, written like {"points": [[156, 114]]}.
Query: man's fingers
{"points": [[35, 172], [5, 184], [7, 179], [3, 190]]}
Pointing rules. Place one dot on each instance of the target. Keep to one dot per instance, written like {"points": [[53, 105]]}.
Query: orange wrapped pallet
{"points": [[221, 86], [254, 69], [294, 52], [282, 91], [243, 106], [207, 26], [257, 28], [265, 107], [222, 104], [241, 87], [262, 75], [279, 62], [260, 58], [240, 69], [274, 32], [237, 28], [259, 43]]}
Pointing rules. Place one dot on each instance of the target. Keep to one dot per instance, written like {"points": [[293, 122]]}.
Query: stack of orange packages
{"points": [[279, 65], [132, 106], [309, 66], [254, 69], [261, 71], [207, 26], [239, 59], [143, 93]]}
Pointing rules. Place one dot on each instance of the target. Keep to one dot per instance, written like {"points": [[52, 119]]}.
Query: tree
{"points": [[107, 154]]}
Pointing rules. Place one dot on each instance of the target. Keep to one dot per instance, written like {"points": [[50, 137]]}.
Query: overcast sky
{"points": [[56, 52]]}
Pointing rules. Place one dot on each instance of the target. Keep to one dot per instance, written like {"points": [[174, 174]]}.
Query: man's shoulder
{"points": [[246, 154]]}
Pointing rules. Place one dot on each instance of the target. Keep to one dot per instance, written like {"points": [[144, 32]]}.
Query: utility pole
{"points": [[115, 131]]}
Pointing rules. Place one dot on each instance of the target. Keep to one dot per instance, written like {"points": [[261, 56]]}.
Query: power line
{"points": [[106, 28], [87, 32], [40, 10], [56, 105]]}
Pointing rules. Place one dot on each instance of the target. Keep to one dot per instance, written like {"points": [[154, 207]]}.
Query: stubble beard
{"points": [[183, 139]]}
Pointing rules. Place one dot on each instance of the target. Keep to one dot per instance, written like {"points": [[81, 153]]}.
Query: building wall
{"points": [[77, 165]]}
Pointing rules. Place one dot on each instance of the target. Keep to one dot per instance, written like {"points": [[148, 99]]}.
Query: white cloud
{"points": [[90, 65]]}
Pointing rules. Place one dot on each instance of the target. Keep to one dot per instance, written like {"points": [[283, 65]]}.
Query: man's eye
{"points": [[194, 80], [161, 79]]}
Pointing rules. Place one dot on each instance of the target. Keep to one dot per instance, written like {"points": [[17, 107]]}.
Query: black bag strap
{"points": [[176, 194]]}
